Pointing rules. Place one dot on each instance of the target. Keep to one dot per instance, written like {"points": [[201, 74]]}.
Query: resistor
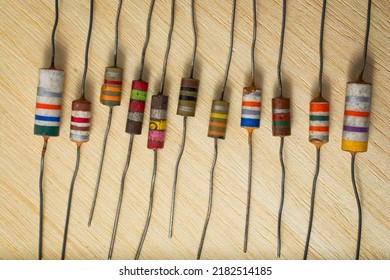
{"points": [[80, 121], [281, 124], [112, 88], [157, 122], [136, 111], [218, 119], [188, 97], [319, 121], [251, 107]]}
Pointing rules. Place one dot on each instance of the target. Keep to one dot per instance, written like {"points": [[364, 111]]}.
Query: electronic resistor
{"points": [[218, 119], [251, 107], [187, 97], [157, 122], [80, 120], [48, 102], [281, 124], [112, 88], [356, 117], [319, 121], [135, 116]]}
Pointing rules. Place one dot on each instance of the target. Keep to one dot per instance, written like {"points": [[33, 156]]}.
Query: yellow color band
{"points": [[354, 146], [219, 116]]}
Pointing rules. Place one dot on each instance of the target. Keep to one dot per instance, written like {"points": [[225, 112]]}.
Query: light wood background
{"points": [[25, 28]]}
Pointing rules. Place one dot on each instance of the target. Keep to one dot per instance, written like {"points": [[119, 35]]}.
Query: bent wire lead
{"points": [[134, 123], [48, 115], [250, 120], [357, 121], [157, 127], [318, 127], [79, 127], [186, 108], [281, 125], [217, 128], [110, 96]]}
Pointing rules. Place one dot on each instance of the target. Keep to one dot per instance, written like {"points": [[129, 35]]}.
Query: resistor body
{"points": [[80, 120], [218, 119], [187, 98], [319, 121], [356, 117], [48, 102], [135, 116], [251, 107], [112, 88], [281, 116], [158, 122]]}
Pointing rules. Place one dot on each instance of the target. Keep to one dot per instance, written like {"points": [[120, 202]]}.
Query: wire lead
{"points": [[359, 236], [253, 41], [280, 86], [42, 169], [150, 206], [230, 50], [76, 170], [183, 143], [164, 71], [146, 38], [321, 48], [122, 189], [118, 13], [281, 196], [195, 38], [366, 39], [210, 198], [313, 195], [100, 167], [87, 49], [248, 200], [53, 33]]}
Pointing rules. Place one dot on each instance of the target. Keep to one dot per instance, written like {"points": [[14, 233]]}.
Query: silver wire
{"points": [[230, 50], [313, 196], [118, 13], [366, 39], [100, 167], [210, 199], [42, 168], [253, 41], [183, 143], [76, 170], [281, 196], [87, 49], [53, 33], [359, 237], [280, 87], [146, 38], [122, 189], [248, 199], [161, 90], [321, 49], [195, 38], [141, 243]]}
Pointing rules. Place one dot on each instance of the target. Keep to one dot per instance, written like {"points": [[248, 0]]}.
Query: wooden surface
{"points": [[25, 28]]}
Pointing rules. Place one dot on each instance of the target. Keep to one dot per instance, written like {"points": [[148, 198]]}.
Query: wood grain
{"points": [[25, 28]]}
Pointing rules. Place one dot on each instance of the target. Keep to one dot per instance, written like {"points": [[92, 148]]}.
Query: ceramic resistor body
{"points": [[158, 122], [356, 117], [80, 121], [187, 98], [135, 116], [48, 102], [218, 119], [251, 107], [112, 88], [281, 116], [319, 121]]}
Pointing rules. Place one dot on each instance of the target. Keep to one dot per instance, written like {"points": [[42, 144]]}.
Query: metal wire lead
{"points": [[183, 143], [253, 40], [248, 200], [146, 38], [150, 207], [164, 71], [230, 50], [359, 236], [118, 13], [42, 169], [87, 49], [122, 189], [195, 38], [321, 71], [313, 195], [366, 39], [100, 166], [280, 86], [53, 33], [70, 202], [210, 198], [281, 196]]}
